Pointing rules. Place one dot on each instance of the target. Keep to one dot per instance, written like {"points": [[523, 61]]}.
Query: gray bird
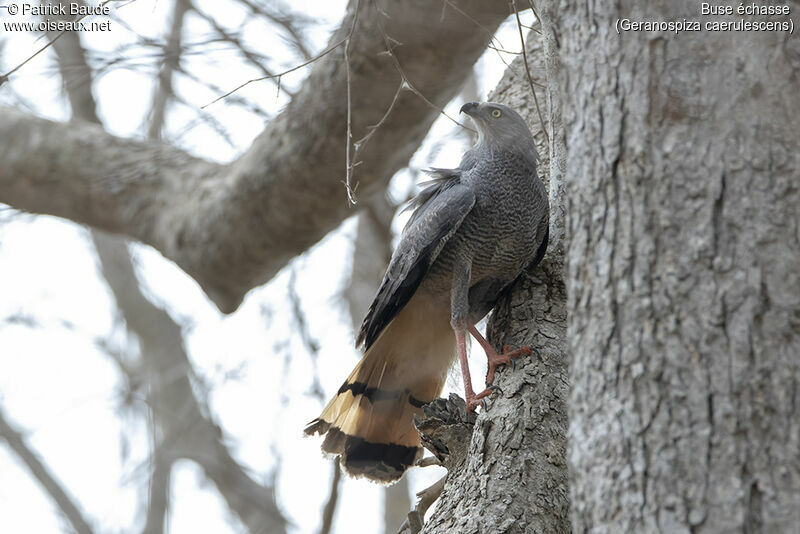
{"points": [[473, 231]]}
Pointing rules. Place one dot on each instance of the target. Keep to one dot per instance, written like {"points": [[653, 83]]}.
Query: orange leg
{"points": [[494, 358], [473, 400]]}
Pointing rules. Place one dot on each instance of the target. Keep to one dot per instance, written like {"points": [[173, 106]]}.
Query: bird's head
{"points": [[501, 128]]}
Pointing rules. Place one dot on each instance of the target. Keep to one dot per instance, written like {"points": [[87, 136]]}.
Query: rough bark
{"points": [[232, 227], [684, 273], [514, 478]]}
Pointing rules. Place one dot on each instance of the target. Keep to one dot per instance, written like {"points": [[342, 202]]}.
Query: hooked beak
{"points": [[469, 108]]}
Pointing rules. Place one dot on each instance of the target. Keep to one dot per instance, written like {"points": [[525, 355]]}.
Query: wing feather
{"points": [[438, 215]]}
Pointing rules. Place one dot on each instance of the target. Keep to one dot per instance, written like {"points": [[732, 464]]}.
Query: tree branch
{"points": [[172, 57], [333, 499], [164, 368], [158, 494], [166, 372], [42, 474], [233, 227], [75, 73]]}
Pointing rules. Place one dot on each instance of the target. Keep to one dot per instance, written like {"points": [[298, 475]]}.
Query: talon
{"points": [[473, 400], [508, 356]]}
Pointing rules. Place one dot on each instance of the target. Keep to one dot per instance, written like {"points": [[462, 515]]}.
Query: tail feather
{"points": [[369, 422]]}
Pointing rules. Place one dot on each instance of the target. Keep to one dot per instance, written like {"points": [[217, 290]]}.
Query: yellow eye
{"points": [[496, 113]]}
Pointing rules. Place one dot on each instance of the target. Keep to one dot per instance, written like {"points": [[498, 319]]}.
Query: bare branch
{"points": [[371, 253], [76, 74], [64, 502], [415, 520], [166, 371], [172, 56], [158, 495], [232, 227], [333, 498], [247, 53], [291, 22], [4, 77], [396, 502], [312, 345], [273, 77], [349, 137], [73, 65], [528, 71]]}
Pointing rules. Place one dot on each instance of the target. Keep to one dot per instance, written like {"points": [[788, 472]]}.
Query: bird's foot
{"points": [[474, 400], [508, 357]]}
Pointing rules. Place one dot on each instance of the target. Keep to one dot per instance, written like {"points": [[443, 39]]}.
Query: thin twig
{"points": [[349, 168], [158, 496], [358, 145], [528, 71], [301, 326], [250, 106], [288, 22], [280, 74], [406, 83], [202, 117], [492, 38], [535, 13], [235, 41], [4, 77]]}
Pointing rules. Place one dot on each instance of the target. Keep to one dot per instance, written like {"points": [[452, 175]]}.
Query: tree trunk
{"points": [[683, 272], [514, 478], [683, 287]]}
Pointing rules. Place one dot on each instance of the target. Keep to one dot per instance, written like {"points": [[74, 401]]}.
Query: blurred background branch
{"points": [[165, 400]]}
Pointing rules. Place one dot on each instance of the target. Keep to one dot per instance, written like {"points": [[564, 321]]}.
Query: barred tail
{"points": [[369, 422]]}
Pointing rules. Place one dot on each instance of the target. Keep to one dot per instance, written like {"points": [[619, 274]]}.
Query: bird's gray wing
{"points": [[441, 180], [435, 220]]}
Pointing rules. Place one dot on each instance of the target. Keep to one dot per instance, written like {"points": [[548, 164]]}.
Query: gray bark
{"points": [[514, 476], [684, 273], [232, 227]]}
